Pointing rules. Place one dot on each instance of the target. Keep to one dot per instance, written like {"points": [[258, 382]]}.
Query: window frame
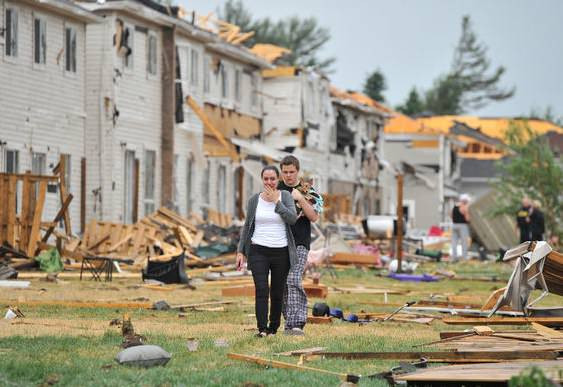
{"points": [[224, 82], [12, 56], [238, 82], [42, 19], [152, 61], [72, 28], [206, 73], [129, 61], [194, 67], [149, 200]]}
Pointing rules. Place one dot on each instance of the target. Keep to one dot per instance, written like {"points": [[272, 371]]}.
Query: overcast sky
{"points": [[412, 42]]}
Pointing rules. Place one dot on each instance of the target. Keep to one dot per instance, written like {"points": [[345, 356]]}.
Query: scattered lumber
{"points": [[312, 290], [547, 321], [479, 374], [319, 319], [278, 364], [445, 356], [354, 259]]}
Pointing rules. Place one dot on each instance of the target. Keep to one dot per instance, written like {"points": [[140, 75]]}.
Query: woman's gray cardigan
{"points": [[286, 209]]}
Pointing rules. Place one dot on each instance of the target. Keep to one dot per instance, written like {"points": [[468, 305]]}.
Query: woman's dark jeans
{"points": [[263, 261]]}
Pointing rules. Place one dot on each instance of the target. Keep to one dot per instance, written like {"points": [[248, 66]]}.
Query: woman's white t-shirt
{"points": [[269, 227]]}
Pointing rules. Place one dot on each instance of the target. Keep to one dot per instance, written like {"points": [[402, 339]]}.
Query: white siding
{"points": [[42, 109]]}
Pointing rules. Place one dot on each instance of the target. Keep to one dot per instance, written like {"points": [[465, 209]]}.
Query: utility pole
{"points": [[399, 247]]}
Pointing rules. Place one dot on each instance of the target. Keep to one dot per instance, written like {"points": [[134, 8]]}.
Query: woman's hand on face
{"points": [[240, 261], [270, 194]]}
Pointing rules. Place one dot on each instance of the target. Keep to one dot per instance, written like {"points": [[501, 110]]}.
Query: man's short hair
{"points": [[290, 160]]}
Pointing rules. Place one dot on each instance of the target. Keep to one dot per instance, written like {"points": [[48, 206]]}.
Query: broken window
{"points": [[128, 44], [39, 41], [151, 54], [70, 49], [237, 85], [206, 70], [194, 67], [221, 188], [344, 135], [150, 169], [189, 179], [11, 26], [224, 82]]}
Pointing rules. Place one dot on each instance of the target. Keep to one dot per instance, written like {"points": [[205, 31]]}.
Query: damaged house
{"points": [[164, 96], [428, 162], [299, 118], [353, 156], [42, 95]]}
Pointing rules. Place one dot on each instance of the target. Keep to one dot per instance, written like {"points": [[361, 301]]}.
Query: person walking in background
{"points": [[537, 222], [460, 227], [309, 205], [523, 219], [267, 241]]}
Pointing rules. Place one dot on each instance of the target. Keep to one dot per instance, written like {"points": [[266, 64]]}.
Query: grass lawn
{"points": [[76, 346]]}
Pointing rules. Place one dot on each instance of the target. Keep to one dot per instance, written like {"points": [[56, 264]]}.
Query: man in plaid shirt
{"points": [[309, 204]]}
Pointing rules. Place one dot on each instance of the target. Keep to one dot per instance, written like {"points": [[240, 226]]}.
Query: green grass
{"points": [[76, 346]]}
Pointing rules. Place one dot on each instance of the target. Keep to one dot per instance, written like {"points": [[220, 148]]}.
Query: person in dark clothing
{"points": [[460, 227], [309, 205], [523, 220], [266, 239], [537, 222]]}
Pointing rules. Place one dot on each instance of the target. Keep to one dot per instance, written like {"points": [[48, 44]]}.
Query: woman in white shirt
{"points": [[267, 241]]}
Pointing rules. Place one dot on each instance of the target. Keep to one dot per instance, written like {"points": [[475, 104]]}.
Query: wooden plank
{"points": [[12, 207], [99, 242], [3, 209], [547, 321], [38, 213], [208, 125], [446, 356], [88, 304], [493, 298], [547, 332], [278, 71], [82, 194], [29, 175], [478, 374], [283, 365], [58, 217], [63, 190], [449, 334], [319, 319], [318, 291], [354, 259], [136, 169], [24, 215]]}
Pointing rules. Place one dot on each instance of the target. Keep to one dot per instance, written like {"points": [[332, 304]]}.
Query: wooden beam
{"points": [[319, 320], [207, 123], [59, 216], [317, 291], [63, 190], [283, 365], [12, 207], [547, 321], [547, 332], [135, 190], [399, 236], [82, 195], [446, 356], [354, 259], [168, 105], [36, 225]]}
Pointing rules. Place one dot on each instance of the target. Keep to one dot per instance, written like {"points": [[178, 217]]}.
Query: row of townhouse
{"points": [[151, 109]]}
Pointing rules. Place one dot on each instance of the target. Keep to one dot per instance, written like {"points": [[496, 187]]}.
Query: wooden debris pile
{"points": [[23, 233]]}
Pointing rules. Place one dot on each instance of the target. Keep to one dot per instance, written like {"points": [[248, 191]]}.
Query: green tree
{"points": [[413, 105], [471, 69], [375, 85], [548, 114], [531, 170], [470, 83], [303, 36]]}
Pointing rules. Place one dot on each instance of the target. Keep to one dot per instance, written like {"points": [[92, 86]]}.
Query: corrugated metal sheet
{"points": [[497, 232]]}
